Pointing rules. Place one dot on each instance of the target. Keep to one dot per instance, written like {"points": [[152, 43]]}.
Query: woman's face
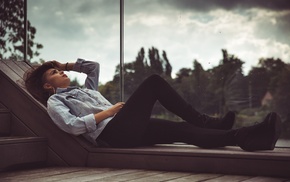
{"points": [[54, 78]]}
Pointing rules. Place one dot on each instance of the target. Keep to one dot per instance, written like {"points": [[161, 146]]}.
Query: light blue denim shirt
{"points": [[72, 109]]}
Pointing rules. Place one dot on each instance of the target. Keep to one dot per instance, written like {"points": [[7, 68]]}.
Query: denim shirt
{"points": [[72, 109]]}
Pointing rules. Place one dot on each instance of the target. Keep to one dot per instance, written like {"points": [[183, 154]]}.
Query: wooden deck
{"points": [[81, 174]]}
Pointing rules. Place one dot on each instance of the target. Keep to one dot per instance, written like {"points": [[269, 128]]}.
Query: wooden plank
{"points": [[205, 163], [266, 179], [93, 176], [5, 122], [72, 176], [166, 176], [173, 150], [197, 177], [18, 71], [21, 151], [37, 173], [138, 174], [229, 178], [20, 139], [14, 67], [188, 151], [23, 65], [16, 81], [7, 71], [80, 174]]}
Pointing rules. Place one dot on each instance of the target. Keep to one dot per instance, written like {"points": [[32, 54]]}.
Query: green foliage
{"points": [[111, 91], [135, 72], [12, 32], [213, 91], [281, 93]]}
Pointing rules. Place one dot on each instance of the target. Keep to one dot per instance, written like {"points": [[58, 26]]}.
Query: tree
{"points": [[221, 79], [274, 68], [265, 77], [281, 102], [237, 93], [155, 61], [258, 81], [182, 73], [110, 91], [12, 32], [168, 67], [135, 72]]}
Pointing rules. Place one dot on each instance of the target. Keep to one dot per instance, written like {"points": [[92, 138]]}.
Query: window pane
{"points": [[70, 29], [219, 57]]}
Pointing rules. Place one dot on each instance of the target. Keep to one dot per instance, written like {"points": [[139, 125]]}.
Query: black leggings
{"points": [[132, 125]]}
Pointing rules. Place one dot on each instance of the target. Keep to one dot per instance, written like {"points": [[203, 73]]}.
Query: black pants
{"points": [[132, 125]]}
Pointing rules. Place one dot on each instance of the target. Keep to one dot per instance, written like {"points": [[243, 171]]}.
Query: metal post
{"points": [[25, 32], [122, 50]]}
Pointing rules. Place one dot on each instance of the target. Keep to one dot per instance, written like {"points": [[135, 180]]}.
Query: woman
{"points": [[86, 112]]}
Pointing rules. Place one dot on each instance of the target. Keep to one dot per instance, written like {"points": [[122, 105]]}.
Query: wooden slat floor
{"points": [[81, 174]]}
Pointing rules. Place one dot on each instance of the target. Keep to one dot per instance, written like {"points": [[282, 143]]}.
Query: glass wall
{"points": [[219, 57], [71, 29]]}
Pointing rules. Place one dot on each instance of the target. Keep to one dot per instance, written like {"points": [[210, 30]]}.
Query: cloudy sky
{"points": [[185, 29]]}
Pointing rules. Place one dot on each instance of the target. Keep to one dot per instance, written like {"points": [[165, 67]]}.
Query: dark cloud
{"points": [[285, 22], [278, 31], [282, 29], [205, 5]]}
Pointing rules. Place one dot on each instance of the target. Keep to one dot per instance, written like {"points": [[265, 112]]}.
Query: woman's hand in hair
{"points": [[58, 65], [63, 66]]}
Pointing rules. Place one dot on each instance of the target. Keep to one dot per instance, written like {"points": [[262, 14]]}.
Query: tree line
{"points": [[214, 91]]}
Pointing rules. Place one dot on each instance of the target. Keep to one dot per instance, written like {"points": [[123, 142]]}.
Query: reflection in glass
{"points": [[12, 39], [219, 57]]}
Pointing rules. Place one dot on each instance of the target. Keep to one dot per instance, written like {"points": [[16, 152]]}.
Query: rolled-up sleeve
{"points": [[90, 122], [91, 69], [61, 116]]}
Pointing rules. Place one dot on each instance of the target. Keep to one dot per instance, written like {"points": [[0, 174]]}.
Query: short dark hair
{"points": [[34, 80]]}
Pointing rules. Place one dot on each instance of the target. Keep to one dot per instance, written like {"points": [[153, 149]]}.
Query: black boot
{"points": [[224, 123], [262, 136]]}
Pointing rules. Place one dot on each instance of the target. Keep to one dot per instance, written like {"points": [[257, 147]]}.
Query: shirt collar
{"points": [[62, 90]]}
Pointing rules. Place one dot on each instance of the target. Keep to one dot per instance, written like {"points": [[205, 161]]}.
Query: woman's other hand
{"points": [[99, 117], [116, 108]]}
